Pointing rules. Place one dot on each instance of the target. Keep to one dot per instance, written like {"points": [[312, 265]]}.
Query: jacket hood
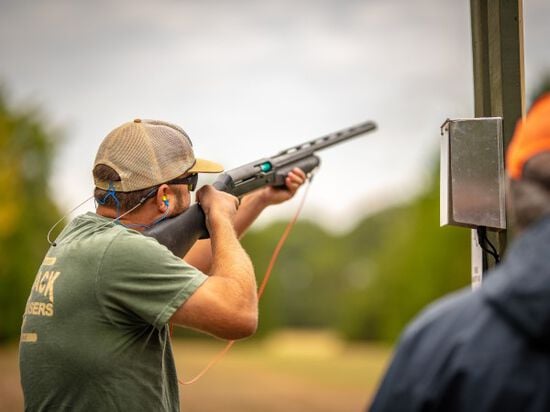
{"points": [[519, 289]]}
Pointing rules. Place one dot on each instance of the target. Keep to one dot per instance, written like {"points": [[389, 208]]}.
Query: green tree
{"points": [[26, 208]]}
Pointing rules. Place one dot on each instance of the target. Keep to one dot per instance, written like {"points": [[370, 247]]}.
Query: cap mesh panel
{"points": [[146, 154]]}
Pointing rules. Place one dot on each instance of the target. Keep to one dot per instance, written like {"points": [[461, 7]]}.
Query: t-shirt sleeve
{"points": [[141, 281]]}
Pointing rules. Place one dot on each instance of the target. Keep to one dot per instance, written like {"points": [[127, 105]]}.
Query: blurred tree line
{"points": [[365, 284], [26, 209]]}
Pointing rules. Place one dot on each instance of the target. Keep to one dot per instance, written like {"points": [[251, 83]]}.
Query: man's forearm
{"points": [[230, 260], [251, 207]]}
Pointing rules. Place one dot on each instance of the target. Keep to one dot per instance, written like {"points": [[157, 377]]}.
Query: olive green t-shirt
{"points": [[95, 334]]}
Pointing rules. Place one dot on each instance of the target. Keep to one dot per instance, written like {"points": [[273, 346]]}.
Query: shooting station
{"points": [[473, 180]]}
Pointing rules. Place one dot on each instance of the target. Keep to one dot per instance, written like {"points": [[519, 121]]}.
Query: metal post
{"points": [[497, 46]]}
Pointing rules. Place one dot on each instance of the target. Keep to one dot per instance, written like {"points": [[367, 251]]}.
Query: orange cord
{"points": [[261, 289]]}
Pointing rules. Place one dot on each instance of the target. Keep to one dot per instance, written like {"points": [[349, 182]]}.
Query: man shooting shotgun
{"points": [[95, 332]]}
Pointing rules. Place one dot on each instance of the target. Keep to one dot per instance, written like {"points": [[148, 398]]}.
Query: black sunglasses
{"points": [[190, 181]]}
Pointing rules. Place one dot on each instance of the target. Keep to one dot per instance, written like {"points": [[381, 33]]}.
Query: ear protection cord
{"points": [[112, 193], [262, 287], [143, 225], [159, 219], [52, 243]]}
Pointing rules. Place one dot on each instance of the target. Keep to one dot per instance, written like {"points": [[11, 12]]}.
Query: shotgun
{"points": [[180, 232]]}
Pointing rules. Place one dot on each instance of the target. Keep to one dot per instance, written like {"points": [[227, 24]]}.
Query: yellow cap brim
{"points": [[205, 166]]}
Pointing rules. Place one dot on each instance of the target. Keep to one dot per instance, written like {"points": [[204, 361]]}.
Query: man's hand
{"points": [[217, 206], [270, 195]]}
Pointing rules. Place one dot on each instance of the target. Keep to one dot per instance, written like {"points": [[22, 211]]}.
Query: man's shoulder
{"points": [[447, 314], [426, 355], [463, 327], [459, 326], [137, 247], [114, 244]]}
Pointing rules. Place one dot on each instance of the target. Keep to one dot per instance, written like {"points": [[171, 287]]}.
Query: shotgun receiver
{"points": [[179, 233]]}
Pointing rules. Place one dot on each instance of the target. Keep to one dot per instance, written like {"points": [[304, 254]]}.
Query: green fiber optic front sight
{"points": [[266, 167]]}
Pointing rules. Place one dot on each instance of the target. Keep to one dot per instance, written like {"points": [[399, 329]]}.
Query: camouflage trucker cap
{"points": [[146, 153]]}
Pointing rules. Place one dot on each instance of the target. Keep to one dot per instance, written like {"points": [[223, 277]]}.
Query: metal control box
{"points": [[472, 173]]}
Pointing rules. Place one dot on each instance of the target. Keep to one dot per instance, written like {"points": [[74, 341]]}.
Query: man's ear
{"points": [[164, 194]]}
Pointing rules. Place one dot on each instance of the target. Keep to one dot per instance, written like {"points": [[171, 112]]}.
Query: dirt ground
{"points": [[294, 371]]}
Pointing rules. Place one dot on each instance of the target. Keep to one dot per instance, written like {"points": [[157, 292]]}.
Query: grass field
{"points": [[292, 371]]}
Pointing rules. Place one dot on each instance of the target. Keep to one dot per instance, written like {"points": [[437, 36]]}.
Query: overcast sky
{"points": [[247, 78]]}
